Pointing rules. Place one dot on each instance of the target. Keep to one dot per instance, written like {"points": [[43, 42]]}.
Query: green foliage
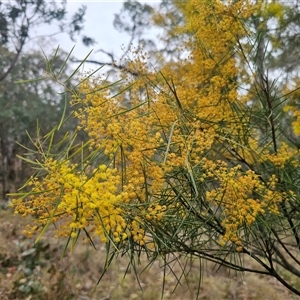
{"points": [[26, 106], [22, 106]]}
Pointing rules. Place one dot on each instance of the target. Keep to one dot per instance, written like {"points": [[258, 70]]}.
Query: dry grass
{"points": [[39, 273]]}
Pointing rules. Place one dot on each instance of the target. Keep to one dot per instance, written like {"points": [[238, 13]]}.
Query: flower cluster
{"points": [[242, 196], [74, 200], [284, 155]]}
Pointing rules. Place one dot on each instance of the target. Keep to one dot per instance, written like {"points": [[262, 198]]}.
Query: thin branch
{"points": [[112, 64], [270, 270], [107, 53], [267, 92], [285, 248], [224, 262], [44, 35], [130, 42], [291, 223], [285, 264]]}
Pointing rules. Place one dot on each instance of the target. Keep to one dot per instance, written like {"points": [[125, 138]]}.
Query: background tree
{"points": [[20, 18], [25, 108], [22, 106]]}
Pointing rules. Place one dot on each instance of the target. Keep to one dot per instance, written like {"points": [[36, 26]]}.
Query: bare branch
{"points": [[110, 64]]}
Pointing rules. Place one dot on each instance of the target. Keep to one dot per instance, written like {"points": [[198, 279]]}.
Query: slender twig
{"points": [[284, 263], [110, 64], [283, 245]]}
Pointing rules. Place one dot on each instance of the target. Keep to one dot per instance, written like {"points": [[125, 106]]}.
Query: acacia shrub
{"points": [[180, 161]]}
